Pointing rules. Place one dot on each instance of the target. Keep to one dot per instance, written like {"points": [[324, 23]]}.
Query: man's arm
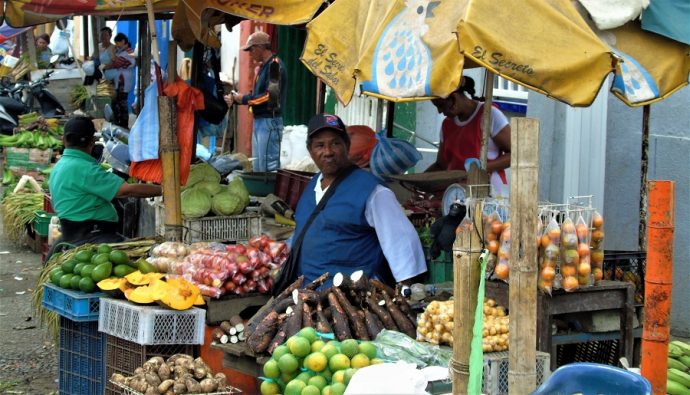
{"points": [[398, 238], [138, 190]]}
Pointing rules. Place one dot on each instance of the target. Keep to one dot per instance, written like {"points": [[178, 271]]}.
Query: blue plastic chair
{"points": [[593, 379]]}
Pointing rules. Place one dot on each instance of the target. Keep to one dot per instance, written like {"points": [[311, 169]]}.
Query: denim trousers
{"points": [[266, 138]]}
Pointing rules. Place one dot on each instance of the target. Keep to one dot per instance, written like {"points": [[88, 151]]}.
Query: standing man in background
{"points": [[266, 102]]}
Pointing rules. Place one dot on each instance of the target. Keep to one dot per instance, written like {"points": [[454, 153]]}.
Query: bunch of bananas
{"points": [[30, 139], [677, 377]]}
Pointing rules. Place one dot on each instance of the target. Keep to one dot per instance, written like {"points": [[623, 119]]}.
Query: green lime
{"points": [[68, 265], [100, 258], [102, 271], [118, 257], [104, 249], [295, 387], [84, 256], [318, 381], [349, 347], [329, 350], [271, 369], [87, 269], [304, 376], [269, 388], [299, 346], [338, 388], [308, 333], [311, 390], [55, 275], [78, 267], [74, 282], [288, 363], [87, 285], [338, 362], [316, 361], [368, 349], [66, 281], [280, 351]]}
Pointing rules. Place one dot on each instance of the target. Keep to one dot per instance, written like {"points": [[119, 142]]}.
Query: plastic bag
{"points": [[596, 244], [502, 269], [570, 259], [170, 249], [549, 255], [362, 143], [392, 156], [396, 346], [584, 268], [164, 264], [224, 164]]}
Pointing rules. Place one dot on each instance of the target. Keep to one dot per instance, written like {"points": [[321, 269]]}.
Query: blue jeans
{"points": [[266, 143]]}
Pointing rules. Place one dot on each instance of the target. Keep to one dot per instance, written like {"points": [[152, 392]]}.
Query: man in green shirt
{"points": [[81, 191]]}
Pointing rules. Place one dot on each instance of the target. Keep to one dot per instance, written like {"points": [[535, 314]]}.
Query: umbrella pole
{"points": [[524, 182], [486, 117], [169, 147], [642, 235]]}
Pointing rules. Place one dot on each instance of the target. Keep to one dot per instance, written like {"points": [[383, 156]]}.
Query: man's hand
{"points": [[229, 99], [237, 97]]}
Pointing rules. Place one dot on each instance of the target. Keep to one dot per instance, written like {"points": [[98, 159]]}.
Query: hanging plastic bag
{"points": [[143, 138], [584, 268], [502, 269], [550, 253], [493, 227], [570, 259], [392, 156], [596, 244]]}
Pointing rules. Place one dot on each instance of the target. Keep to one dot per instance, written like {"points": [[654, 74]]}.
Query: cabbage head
{"points": [[237, 187], [226, 203], [202, 172], [196, 203], [211, 187]]}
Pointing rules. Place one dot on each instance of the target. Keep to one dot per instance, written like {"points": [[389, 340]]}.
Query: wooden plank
{"points": [[579, 302], [524, 165], [218, 310]]}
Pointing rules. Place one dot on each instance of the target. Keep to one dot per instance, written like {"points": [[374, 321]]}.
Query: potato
{"points": [[175, 357], [179, 371], [138, 371], [193, 386], [118, 378], [179, 388], [150, 367], [208, 385], [166, 385], [200, 370], [152, 391], [157, 360], [164, 372], [152, 379], [221, 380]]}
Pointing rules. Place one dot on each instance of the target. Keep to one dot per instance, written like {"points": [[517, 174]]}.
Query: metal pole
{"points": [[642, 234]]}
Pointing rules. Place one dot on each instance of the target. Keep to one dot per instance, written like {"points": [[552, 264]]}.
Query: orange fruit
{"points": [[554, 234], [570, 283], [568, 227], [597, 221], [584, 269], [502, 271], [505, 235], [491, 235], [598, 274], [598, 235], [583, 249], [548, 273], [597, 256], [497, 227], [493, 246], [545, 240], [582, 231], [506, 225], [568, 271]]}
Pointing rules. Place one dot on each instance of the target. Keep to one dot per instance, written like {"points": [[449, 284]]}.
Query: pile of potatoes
{"points": [[179, 374], [435, 325]]}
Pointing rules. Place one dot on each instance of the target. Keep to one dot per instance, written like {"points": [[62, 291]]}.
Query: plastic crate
{"points": [[290, 184], [440, 269], [238, 228], [75, 305], [123, 356], [151, 324], [496, 371], [81, 358], [42, 221], [628, 266], [128, 391], [601, 351]]}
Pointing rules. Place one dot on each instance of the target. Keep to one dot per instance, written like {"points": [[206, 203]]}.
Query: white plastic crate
{"points": [[239, 228], [496, 371], [147, 325]]}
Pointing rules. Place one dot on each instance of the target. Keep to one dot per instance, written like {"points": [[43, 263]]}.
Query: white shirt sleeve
{"points": [[398, 238], [498, 121]]}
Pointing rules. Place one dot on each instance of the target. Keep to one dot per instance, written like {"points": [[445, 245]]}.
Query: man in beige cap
{"points": [[266, 102]]}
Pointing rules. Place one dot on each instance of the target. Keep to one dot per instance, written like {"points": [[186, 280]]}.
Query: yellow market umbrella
{"points": [[416, 49], [195, 16], [19, 13]]}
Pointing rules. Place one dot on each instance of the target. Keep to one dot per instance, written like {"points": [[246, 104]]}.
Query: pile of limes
{"points": [[307, 365], [89, 266]]}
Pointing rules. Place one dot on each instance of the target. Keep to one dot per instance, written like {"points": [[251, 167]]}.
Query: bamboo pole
{"points": [[642, 230], [524, 165], [486, 117], [658, 284], [466, 250]]}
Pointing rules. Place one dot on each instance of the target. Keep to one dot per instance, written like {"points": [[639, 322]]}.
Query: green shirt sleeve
{"points": [[102, 183]]}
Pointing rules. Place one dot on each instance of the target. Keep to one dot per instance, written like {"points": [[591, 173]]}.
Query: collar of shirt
{"points": [[317, 189], [75, 153]]}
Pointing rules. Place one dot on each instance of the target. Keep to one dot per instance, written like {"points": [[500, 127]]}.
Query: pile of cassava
{"points": [[355, 307], [179, 374]]}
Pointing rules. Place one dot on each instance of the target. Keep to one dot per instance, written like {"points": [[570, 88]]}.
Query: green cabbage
{"points": [[211, 187], [237, 187], [196, 203], [202, 172], [226, 203]]}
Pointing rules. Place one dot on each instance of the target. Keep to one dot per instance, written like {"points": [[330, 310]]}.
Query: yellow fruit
{"points": [[338, 388], [316, 362], [375, 361], [269, 388], [338, 377], [295, 387], [338, 362], [348, 375], [317, 345], [359, 361], [326, 390], [271, 369], [328, 350], [349, 347], [368, 349], [288, 363], [304, 376], [280, 351], [308, 333], [299, 346]]}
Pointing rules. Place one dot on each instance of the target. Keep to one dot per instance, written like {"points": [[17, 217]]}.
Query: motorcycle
{"points": [[25, 97]]}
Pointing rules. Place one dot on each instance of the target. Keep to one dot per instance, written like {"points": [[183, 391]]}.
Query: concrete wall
{"points": [[669, 159]]}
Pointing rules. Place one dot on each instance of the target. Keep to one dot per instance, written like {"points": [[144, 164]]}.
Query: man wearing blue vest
{"points": [[361, 226]]}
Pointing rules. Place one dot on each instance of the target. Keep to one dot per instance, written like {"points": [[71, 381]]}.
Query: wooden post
{"points": [[172, 61], [170, 160], [642, 229], [524, 166], [31, 46], [486, 118], [466, 251]]}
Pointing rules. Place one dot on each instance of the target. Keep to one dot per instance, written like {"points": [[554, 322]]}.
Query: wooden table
{"points": [[607, 295], [239, 357]]}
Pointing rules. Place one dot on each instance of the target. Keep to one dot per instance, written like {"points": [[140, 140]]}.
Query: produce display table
{"points": [[239, 357], [607, 295], [222, 309]]}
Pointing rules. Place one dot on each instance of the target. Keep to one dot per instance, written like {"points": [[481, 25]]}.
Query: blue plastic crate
{"points": [[81, 358], [75, 305]]}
